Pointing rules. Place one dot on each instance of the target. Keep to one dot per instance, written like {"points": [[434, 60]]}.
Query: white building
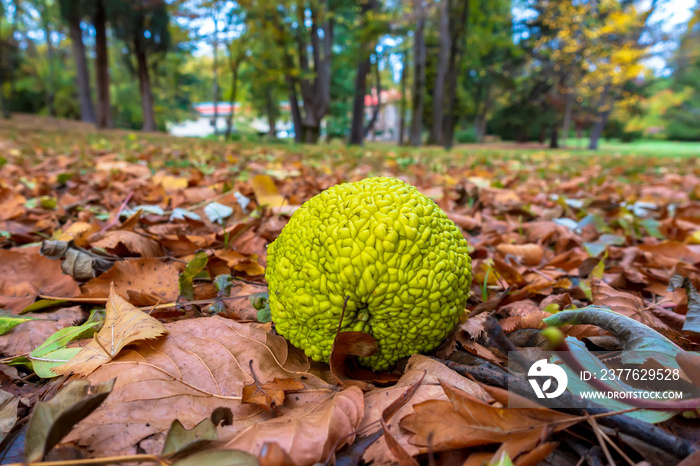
{"points": [[204, 124]]}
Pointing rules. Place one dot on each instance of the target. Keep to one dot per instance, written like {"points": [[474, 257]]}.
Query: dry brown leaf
{"points": [[673, 249], [621, 302], [464, 221], [529, 254], [124, 325], [690, 364], [309, 434], [24, 338], [240, 262], [11, 204], [467, 421], [200, 365], [24, 274], [270, 395], [152, 276], [346, 345], [272, 454], [379, 399], [126, 243]]}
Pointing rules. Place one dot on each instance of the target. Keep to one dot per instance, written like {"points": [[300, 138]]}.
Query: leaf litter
{"points": [[169, 254]]}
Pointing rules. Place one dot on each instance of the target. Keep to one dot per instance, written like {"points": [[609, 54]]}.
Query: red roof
{"points": [[207, 108], [392, 95]]}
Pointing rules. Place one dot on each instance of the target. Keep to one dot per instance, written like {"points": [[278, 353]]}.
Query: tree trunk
{"points": [[358, 105], [232, 100], [480, 127], [604, 108], [357, 126], [294, 109], [50, 78], [458, 31], [3, 105], [215, 79], [597, 130], [271, 114], [567, 118], [375, 112], [104, 109], [87, 109], [149, 121], [436, 132], [311, 134], [418, 75], [554, 137], [402, 116]]}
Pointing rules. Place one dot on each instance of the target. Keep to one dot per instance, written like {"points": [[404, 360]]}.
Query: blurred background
{"points": [[560, 74]]}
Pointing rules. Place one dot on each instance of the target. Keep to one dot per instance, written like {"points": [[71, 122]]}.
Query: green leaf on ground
{"points": [[194, 266], [52, 420]]}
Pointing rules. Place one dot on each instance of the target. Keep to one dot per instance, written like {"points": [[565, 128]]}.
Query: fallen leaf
{"points": [[308, 434], [186, 278], [689, 362], [200, 365], [529, 254], [25, 338], [153, 276], [180, 440], [466, 421], [55, 351], [266, 192], [124, 324], [8, 412], [11, 204], [270, 395], [126, 243], [219, 458], [78, 232], [24, 274], [346, 345], [621, 302], [52, 420], [9, 321], [379, 399]]}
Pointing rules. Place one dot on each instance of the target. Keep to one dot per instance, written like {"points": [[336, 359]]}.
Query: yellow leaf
{"points": [[266, 192], [695, 237], [170, 183], [124, 324], [79, 233]]}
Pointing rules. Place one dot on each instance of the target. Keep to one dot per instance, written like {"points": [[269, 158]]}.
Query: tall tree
{"points": [[403, 105], [445, 34], [303, 32], [143, 26], [104, 107], [366, 45], [72, 12], [459, 12], [418, 93], [237, 51], [681, 119], [9, 57]]}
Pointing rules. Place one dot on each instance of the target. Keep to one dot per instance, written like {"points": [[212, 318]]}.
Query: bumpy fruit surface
{"points": [[403, 264]]}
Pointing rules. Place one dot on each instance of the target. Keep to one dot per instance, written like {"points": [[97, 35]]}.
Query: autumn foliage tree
{"points": [[589, 51], [143, 26]]}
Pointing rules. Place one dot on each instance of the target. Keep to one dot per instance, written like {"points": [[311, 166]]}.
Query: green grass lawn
{"points": [[641, 147]]}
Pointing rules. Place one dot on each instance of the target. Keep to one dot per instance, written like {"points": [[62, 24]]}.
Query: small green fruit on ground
{"points": [[403, 264]]}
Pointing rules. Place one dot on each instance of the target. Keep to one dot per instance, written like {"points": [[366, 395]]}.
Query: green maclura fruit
{"points": [[403, 264]]}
